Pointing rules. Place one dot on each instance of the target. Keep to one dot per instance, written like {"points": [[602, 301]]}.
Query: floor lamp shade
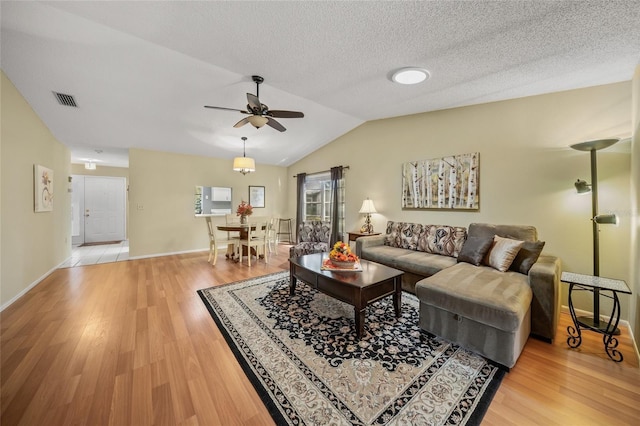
{"points": [[607, 219]]}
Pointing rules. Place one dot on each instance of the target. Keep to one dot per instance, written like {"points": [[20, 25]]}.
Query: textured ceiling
{"points": [[142, 71]]}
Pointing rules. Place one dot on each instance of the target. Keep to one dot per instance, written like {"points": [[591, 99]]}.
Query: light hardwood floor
{"points": [[131, 343]]}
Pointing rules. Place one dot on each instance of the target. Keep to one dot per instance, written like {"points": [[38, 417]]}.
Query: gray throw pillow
{"points": [[527, 256], [474, 249]]}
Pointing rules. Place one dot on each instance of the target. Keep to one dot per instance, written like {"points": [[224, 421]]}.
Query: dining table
{"points": [[243, 230]]}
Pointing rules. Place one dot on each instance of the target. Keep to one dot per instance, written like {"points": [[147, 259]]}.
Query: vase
{"points": [[243, 219]]}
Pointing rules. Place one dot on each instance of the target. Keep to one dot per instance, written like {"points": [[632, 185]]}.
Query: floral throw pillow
{"points": [[442, 239]]}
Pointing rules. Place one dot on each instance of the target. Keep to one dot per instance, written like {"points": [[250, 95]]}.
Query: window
{"points": [[317, 198]]}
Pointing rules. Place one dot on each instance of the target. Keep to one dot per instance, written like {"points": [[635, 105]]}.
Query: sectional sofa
{"points": [[486, 288]]}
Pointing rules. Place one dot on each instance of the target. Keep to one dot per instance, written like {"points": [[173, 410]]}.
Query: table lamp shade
{"points": [[367, 207]]}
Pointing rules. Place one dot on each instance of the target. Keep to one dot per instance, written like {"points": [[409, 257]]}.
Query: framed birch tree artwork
{"points": [[442, 183]]}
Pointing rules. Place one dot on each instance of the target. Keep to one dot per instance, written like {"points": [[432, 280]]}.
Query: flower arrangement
{"points": [[341, 252], [244, 209]]}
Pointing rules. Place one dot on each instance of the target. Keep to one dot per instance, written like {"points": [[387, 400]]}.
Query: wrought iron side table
{"points": [[580, 282]]}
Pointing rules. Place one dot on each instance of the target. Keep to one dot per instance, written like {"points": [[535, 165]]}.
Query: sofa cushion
{"points": [[383, 254], [442, 239], [403, 235], [474, 249], [481, 293], [527, 256], [501, 254], [516, 232], [420, 263], [314, 231], [308, 247]]}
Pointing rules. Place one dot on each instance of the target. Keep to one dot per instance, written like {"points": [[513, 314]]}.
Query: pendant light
{"points": [[244, 164]]}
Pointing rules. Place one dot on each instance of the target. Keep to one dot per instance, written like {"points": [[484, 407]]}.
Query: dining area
{"points": [[247, 239]]}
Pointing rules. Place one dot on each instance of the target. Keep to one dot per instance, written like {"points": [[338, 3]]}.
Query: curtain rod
{"points": [[324, 171]]}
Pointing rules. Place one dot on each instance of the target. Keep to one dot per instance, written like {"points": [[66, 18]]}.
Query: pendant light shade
{"points": [[244, 164]]}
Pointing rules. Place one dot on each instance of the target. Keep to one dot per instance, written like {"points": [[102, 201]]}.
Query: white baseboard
{"points": [[147, 256], [50, 271], [32, 285], [581, 313]]}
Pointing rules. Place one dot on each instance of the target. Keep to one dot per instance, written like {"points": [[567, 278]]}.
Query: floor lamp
{"points": [[596, 219]]}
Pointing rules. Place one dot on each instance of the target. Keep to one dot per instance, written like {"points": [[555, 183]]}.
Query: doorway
{"points": [[98, 205]]}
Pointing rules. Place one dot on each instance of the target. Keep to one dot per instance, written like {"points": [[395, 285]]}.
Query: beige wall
{"points": [[161, 196], [527, 169], [78, 169], [635, 210], [32, 243]]}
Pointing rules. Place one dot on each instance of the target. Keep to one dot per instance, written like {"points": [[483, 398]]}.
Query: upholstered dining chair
{"points": [[313, 237], [256, 238], [214, 241]]}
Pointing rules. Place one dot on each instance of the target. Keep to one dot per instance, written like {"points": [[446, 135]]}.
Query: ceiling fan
{"points": [[259, 113]]}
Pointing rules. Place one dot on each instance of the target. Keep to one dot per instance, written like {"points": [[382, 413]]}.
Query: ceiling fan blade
{"points": [[254, 103], [285, 114], [227, 109], [273, 123], [241, 122]]}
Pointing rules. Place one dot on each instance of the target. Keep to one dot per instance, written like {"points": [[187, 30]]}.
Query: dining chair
{"points": [[256, 238], [214, 241], [231, 219], [256, 219], [272, 235]]}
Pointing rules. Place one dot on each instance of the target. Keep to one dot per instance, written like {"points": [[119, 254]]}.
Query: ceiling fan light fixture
{"points": [[258, 121], [410, 75]]}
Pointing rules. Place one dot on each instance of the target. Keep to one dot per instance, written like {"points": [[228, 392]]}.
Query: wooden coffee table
{"points": [[357, 288]]}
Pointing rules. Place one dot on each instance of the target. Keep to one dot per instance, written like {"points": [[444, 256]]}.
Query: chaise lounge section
{"points": [[490, 309]]}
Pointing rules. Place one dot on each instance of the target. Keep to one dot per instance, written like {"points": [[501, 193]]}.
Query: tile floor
{"points": [[91, 255]]}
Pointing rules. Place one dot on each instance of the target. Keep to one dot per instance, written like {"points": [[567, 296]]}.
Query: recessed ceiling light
{"points": [[410, 75]]}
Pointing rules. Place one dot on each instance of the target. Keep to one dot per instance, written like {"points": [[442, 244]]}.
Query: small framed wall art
{"points": [[442, 183], [256, 196], [42, 189]]}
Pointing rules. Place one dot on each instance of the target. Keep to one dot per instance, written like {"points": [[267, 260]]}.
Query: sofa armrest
{"points": [[544, 279], [373, 240]]}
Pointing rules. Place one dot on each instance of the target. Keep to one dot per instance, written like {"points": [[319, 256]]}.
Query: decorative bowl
{"points": [[343, 264]]}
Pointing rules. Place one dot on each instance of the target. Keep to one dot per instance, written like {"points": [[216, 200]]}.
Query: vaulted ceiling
{"points": [[141, 72]]}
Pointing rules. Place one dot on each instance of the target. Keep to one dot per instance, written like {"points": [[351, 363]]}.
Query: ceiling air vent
{"points": [[66, 100]]}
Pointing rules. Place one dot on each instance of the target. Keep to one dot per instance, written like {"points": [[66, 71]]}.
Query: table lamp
{"points": [[367, 208]]}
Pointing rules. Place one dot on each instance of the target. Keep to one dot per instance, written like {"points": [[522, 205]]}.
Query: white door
{"points": [[104, 209], [77, 210]]}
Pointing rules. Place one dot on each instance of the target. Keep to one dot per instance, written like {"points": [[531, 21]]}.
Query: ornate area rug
{"points": [[302, 356]]}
